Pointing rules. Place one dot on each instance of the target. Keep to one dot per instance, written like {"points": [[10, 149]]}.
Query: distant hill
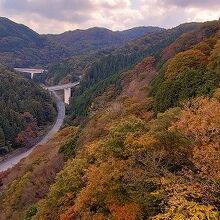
{"points": [[136, 32], [16, 36], [107, 62], [93, 39], [144, 140], [22, 47]]}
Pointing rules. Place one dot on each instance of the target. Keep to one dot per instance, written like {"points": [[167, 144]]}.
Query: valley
{"points": [[14, 159], [136, 135]]}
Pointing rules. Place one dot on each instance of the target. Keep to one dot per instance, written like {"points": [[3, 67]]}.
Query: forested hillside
{"points": [[116, 59], [94, 39], [22, 47], [147, 141], [106, 70], [24, 108]]}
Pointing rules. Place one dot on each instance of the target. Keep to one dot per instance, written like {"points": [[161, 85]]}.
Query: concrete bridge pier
{"points": [[66, 88], [67, 95], [32, 75]]}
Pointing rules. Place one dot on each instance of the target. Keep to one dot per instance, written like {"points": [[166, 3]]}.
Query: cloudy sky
{"points": [[56, 16]]}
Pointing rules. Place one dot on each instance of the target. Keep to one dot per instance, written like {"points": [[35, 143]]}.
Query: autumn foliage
{"points": [[134, 156]]}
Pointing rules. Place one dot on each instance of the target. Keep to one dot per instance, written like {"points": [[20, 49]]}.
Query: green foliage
{"points": [[17, 97], [80, 103], [214, 61], [94, 39], [68, 149], [32, 211], [3, 149], [132, 163], [106, 70], [2, 138], [163, 120], [175, 143], [131, 124], [103, 69], [169, 93], [190, 59], [68, 183], [14, 192], [22, 47]]}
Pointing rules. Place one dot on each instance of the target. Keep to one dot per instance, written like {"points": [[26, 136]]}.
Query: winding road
{"points": [[14, 159]]}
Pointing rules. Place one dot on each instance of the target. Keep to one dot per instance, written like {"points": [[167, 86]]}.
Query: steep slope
{"points": [[20, 46], [132, 163], [127, 160], [190, 69], [132, 52], [16, 36], [93, 42], [107, 68], [24, 107]]}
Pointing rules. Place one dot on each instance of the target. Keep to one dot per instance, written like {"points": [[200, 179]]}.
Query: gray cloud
{"points": [[193, 3], [66, 10], [56, 16], [36, 5]]}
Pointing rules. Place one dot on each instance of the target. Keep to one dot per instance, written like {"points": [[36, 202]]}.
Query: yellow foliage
{"points": [[190, 59], [14, 193], [68, 182], [216, 94], [200, 120], [65, 133], [204, 47], [134, 144], [207, 159], [181, 209]]}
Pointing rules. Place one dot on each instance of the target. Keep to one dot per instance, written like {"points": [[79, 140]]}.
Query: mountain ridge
{"points": [[142, 139], [91, 39], [23, 47]]}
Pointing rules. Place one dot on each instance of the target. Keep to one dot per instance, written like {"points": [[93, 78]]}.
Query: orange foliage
{"points": [[102, 183], [184, 42], [203, 47], [24, 137], [68, 215], [207, 159], [125, 212], [3, 175], [200, 120], [205, 33]]}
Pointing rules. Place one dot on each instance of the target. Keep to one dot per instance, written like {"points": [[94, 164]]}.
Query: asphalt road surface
{"points": [[15, 159]]}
